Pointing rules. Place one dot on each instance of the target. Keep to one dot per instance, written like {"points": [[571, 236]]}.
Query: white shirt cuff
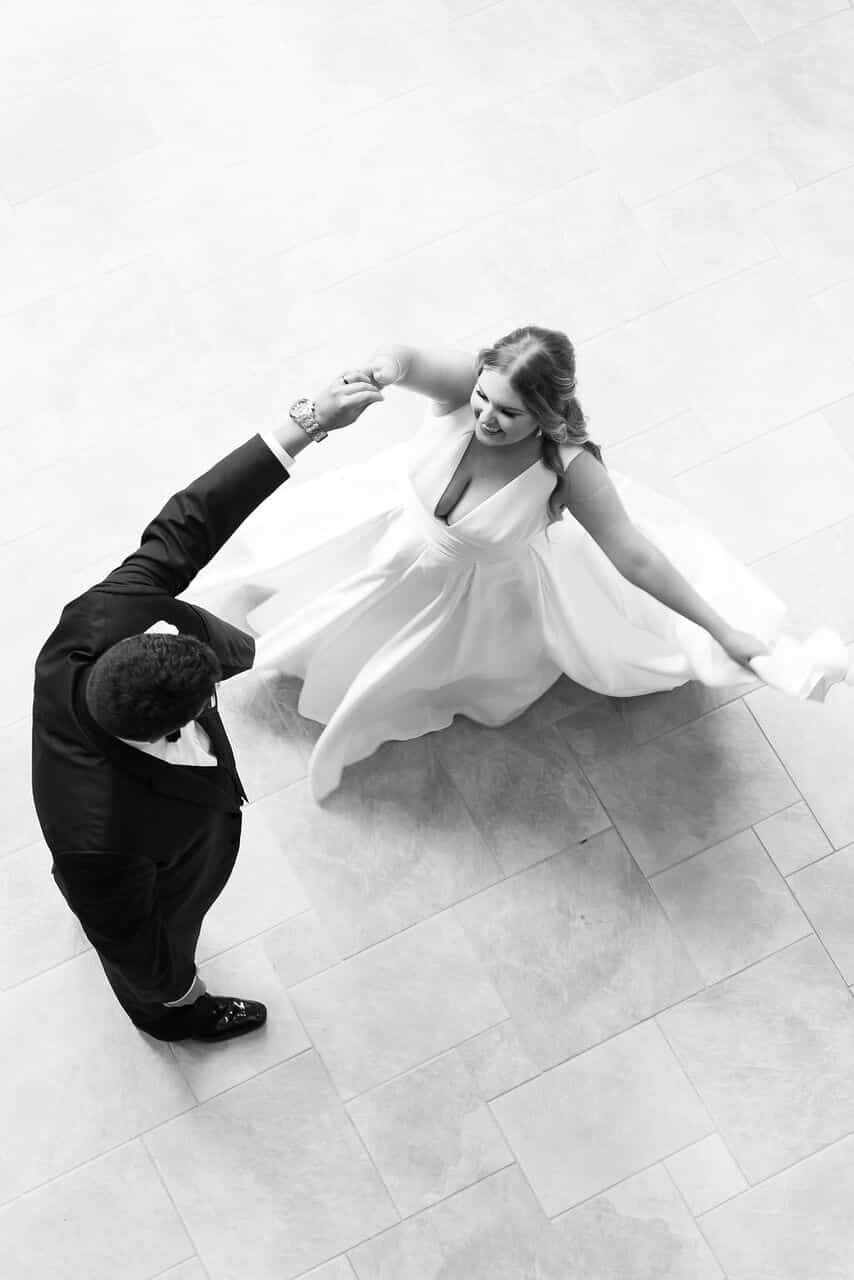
{"points": [[272, 443]]}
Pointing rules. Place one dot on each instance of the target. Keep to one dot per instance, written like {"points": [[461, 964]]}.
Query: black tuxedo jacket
{"points": [[141, 848]]}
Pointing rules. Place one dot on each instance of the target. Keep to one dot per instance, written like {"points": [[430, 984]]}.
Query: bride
{"points": [[462, 573]]}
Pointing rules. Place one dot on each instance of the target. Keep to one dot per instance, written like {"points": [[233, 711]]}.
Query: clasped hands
{"points": [[349, 395]]}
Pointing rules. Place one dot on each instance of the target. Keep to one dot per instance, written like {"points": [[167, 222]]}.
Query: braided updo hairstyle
{"points": [[539, 364]]}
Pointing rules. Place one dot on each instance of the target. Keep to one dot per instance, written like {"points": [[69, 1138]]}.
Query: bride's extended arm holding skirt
{"points": [[591, 498]]}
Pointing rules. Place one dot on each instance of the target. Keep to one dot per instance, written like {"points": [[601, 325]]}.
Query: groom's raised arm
{"points": [[197, 521]]}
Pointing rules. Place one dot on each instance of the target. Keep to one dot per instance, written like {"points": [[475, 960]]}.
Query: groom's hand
{"points": [[346, 399]]}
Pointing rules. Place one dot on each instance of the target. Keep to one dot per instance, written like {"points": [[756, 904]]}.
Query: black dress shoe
{"points": [[223, 1017]]}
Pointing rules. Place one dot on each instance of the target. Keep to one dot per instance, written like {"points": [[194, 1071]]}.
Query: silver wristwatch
{"points": [[302, 413]]}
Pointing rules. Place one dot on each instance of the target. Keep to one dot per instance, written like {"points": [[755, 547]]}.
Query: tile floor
{"points": [[564, 1000]]}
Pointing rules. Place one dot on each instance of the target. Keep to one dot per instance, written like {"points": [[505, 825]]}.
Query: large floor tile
{"points": [[20, 824], [70, 131], [37, 930], [97, 1222], [813, 575], [605, 1115], [692, 788], [814, 741], [825, 893], [245, 971], [793, 838], [262, 892], [269, 755], [493, 1231], [794, 1227], [705, 1174], [712, 228], [497, 1059], [769, 1052], [279, 1156], [397, 1004], [812, 232], [645, 47], [429, 1133], [578, 948], [523, 787], [395, 845], [683, 132], [639, 1230], [771, 18], [770, 493], [79, 1078], [812, 114], [730, 906]]}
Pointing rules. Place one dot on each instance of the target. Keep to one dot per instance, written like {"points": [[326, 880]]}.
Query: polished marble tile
{"points": [[824, 892], [397, 1004], [115, 1082], [192, 1270], [20, 824], [300, 948], [429, 1133], [771, 18], [714, 226], [261, 893], [814, 742], [638, 1230], [268, 756], [705, 1174], [812, 232], [768, 1052], [771, 492], [279, 1156], [394, 845], [811, 114], [578, 948], [95, 1222], [497, 1059], [246, 972], [523, 788], [610, 1112], [793, 838], [646, 46], [338, 1269], [70, 130], [37, 929], [813, 576], [730, 906], [680, 133], [692, 787], [796, 1226]]}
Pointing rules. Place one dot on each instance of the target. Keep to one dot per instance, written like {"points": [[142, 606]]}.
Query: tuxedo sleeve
{"points": [[113, 896], [196, 522]]}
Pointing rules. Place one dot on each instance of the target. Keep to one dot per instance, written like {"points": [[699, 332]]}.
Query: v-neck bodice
{"points": [[503, 521]]}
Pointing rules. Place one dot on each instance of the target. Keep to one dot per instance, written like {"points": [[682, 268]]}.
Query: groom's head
{"points": [[149, 685]]}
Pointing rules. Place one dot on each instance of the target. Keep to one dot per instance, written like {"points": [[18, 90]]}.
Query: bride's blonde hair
{"points": [[539, 364]]}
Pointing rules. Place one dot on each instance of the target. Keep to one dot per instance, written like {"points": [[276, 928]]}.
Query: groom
{"points": [[134, 779]]}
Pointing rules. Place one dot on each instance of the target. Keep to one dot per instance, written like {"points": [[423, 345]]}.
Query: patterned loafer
{"points": [[223, 1017]]}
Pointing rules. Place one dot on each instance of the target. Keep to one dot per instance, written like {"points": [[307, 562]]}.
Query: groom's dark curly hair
{"points": [[148, 685]]}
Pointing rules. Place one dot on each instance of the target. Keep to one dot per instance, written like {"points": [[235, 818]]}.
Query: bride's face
{"points": [[500, 416]]}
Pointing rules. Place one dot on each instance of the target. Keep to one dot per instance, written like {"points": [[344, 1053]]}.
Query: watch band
{"points": [[303, 414]]}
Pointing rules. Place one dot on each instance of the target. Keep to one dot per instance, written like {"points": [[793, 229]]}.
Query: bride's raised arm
{"points": [[445, 375]]}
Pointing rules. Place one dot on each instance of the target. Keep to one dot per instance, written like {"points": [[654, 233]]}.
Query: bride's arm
{"points": [[446, 376], [591, 498]]}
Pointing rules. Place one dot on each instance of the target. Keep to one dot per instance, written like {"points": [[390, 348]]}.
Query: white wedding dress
{"points": [[397, 622]]}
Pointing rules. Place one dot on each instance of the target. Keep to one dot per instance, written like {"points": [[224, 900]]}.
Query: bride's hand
{"points": [[742, 646], [346, 399], [383, 369]]}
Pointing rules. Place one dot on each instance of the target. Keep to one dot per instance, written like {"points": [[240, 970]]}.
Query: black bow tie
{"points": [[173, 737]]}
